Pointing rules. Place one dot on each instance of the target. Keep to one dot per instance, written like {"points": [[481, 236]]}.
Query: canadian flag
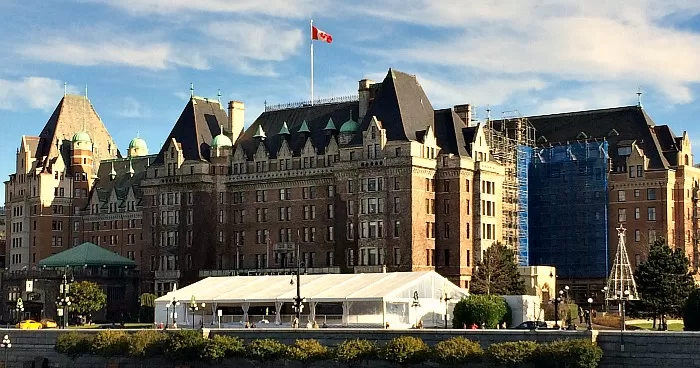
{"points": [[317, 34]]}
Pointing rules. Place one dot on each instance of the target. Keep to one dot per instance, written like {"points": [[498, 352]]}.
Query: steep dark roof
{"points": [[74, 114], [631, 122], [86, 254], [198, 124], [316, 118], [448, 132], [402, 107], [123, 181]]}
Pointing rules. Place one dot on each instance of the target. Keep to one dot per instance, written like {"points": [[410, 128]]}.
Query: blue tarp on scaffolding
{"points": [[524, 159], [568, 219]]}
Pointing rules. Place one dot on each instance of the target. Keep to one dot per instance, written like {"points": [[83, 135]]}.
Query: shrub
{"points": [[184, 345], [457, 351], [221, 347], [613, 321], [480, 309], [307, 350], [146, 343], [73, 344], [511, 353], [264, 350], [691, 311], [404, 350], [568, 354], [110, 343], [354, 352]]}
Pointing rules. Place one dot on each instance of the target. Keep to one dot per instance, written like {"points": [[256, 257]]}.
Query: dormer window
{"points": [[624, 151], [374, 133]]}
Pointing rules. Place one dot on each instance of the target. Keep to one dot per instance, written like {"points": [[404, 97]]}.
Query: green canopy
{"points": [[87, 254]]}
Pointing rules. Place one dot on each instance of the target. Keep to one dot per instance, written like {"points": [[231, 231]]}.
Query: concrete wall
{"points": [[641, 349]]}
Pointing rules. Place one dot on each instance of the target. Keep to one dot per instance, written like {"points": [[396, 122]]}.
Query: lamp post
{"points": [[201, 320], [566, 293], [623, 300], [172, 305], [19, 309], [445, 297], [590, 314], [298, 300], [556, 302], [64, 299], [193, 308], [6, 344], [605, 297], [416, 305]]}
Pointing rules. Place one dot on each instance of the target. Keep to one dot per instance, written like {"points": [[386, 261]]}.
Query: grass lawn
{"points": [[648, 325]]}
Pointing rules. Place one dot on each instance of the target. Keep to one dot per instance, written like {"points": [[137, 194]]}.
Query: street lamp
{"points": [[298, 300], [416, 305], [201, 320], [623, 300], [19, 308], [566, 292], [64, 299], [6, 344], [193, 308], [605, 297], [590, 313], [172, 305], [556, 302], [445, 297]]}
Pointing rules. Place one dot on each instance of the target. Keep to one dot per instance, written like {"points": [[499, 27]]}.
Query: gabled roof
{"points": [[402, 107], [631, 122], [74, 114], [316, 118], [197, 125], [123, 181], [449, 133], [86, 254]]}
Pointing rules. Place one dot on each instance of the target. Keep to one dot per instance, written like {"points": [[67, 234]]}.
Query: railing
{"points": [[369, 269], [74, 272], [268, 271], [268, 321], [167, 274], [321, 101]]}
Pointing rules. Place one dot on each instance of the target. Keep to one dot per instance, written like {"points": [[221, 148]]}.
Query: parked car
{"points": [[49, 323], [532, 325], [29, 325]]}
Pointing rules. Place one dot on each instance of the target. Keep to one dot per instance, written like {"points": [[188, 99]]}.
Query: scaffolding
{"points": [[511, 140], [568, 208]]}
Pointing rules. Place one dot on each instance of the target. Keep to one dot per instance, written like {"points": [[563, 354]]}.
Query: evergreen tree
{"points": [[664, 281], [497, 273]]}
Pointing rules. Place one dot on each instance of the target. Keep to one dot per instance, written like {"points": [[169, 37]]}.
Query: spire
{"points": [[621, 284], [112, 174], [86, 95], [304, 128], [218, 95], [191, 89], [330, 125], [639, 96], [65, 89], [260, 133], [284, 130]]}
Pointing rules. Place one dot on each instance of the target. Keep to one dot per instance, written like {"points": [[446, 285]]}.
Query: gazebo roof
{"points": [[87, 254]]}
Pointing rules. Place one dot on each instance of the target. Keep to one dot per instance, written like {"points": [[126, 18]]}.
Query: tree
{"points": [[664, 281], [691, 312], [86, 297], [497, 273], [491, 310]]}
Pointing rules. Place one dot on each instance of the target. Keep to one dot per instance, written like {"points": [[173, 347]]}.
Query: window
{"points": [[637, 193], [621, 214], [637, 259], [620, 195], [397, 151], [397, 228], [351, 231], [397, 204], [397, 256], [350, 186], [631, 171], [330, 210], [637, 235], [261, 195], [285, 194], [652, 235], [651, 213], [396, 183], [651, 194], [351, 208], [637, 213], [447, 257], [640, 171], [330, 233], [446, 234], [446, 206], [331, 191], [467, 230]]}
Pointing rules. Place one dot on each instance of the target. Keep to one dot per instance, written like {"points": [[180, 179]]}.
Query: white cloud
{"points": [[487, 91], [276, 8], [556, 40], [153, 56], [132, 108], [256, 41], [31, 92]]}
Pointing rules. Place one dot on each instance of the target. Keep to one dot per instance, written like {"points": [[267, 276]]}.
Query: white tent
{"points": [[366, 299]]}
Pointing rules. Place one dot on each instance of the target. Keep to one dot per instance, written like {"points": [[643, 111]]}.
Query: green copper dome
{"points": [[221, 141], [138, 143], [81, 136], [349, 126]]}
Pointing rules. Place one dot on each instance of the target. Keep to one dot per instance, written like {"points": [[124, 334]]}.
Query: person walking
{"points": [[580, 315]]}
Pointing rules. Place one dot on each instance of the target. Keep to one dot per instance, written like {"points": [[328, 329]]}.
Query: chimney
{"points": [[365, 94], [464, 112], [236, 116]]}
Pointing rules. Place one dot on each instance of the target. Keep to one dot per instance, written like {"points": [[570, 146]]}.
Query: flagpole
{"points": [[311, 23]]}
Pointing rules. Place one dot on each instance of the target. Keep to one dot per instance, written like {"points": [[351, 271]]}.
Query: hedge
{"points": [[190, 345]]}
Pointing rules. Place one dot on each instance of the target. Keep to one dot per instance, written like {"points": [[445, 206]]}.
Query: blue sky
{"points": [[138, 57]]}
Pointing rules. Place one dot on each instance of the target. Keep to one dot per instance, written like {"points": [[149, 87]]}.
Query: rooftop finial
{"points": [[65, 89], [221, 127], [191, 89], [639, 96], [86, 95], [218, 95]]}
